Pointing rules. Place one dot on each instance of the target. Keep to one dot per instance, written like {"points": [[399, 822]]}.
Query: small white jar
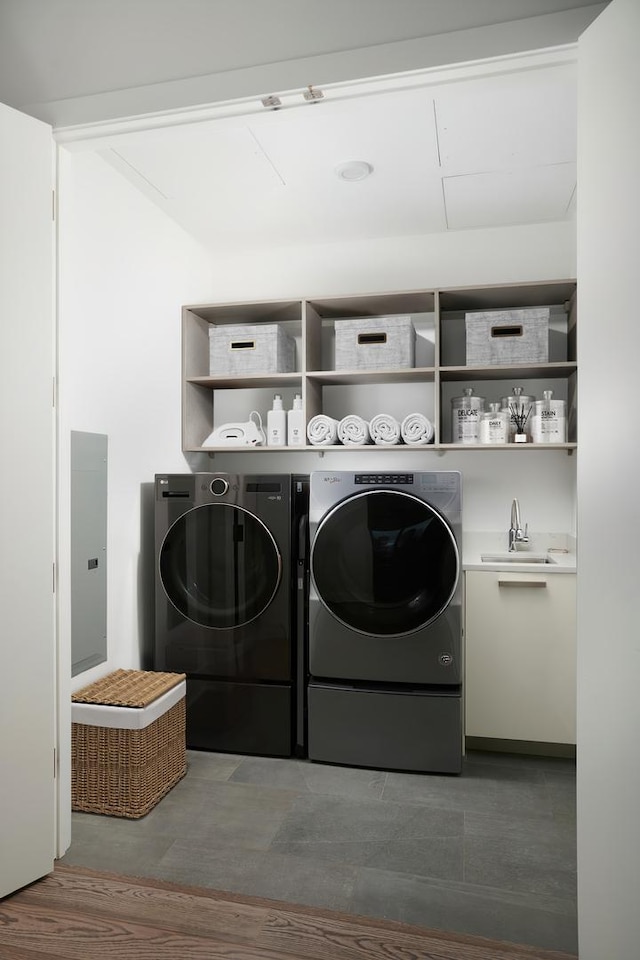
{"points": [[494, 425], [466, 412], [549, 424]]}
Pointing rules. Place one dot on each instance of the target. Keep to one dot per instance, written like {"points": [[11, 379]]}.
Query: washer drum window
{"points": [[385, 563], [220, 565]]}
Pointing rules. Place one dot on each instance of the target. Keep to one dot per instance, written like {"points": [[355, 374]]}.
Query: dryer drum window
{"points": [[220, 565], [385, 563]]}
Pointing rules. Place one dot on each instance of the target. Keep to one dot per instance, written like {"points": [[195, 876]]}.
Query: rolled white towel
{"points": [[385, 430], [353, 431], [416, 429], [322, 430]]}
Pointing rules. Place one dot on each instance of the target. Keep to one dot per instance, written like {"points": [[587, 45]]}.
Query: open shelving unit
{"points": [[439, 374]]}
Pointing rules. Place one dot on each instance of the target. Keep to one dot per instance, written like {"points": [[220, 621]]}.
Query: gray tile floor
{"points": [[491, 852]]}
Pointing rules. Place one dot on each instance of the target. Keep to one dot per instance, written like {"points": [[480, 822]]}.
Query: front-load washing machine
{"points": [[385, 632], [226, 605]]}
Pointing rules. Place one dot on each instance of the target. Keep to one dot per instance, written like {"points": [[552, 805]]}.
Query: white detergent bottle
{"points": [[295, 424], [277, 423]]}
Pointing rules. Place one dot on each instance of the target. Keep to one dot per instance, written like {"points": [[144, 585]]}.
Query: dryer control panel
{"points": [[386, 479]]}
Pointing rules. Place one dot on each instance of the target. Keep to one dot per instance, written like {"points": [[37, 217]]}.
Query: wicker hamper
{"points": [[127, 742]]}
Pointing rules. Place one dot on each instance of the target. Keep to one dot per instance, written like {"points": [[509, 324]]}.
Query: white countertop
{"points": [[560, 548]]}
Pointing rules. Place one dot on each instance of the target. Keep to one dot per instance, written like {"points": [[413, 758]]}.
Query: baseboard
{"points": [[529, 747]]}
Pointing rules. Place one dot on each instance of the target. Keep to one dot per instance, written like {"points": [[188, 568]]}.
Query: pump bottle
{"points": [[295, 423], [276, 423]]}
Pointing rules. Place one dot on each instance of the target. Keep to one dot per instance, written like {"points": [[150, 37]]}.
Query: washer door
{"points": [[385, 563], [220, 565]]}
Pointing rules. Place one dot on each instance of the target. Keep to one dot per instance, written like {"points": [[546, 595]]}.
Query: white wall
{"points": [[609, 506], [544, 251], [125, 270]]}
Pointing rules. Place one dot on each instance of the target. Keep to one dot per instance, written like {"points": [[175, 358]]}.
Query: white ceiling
{"points": [[489, 151], [492, 149], [56, 51]]}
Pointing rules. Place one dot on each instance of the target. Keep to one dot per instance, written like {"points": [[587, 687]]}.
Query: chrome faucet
{"points": [[516, 533]]}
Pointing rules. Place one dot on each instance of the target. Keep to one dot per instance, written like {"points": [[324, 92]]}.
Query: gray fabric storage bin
{"points": [[374, 343], [507, 336], [242, 348]]}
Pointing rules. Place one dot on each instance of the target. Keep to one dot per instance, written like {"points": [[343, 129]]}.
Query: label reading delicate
{"points": [[466, 426]]}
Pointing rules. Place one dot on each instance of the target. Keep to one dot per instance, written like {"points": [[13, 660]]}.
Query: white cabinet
{"points": [[520, 672], [439, 374]]}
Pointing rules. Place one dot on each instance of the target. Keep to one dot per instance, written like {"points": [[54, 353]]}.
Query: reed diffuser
{"points": [[519, 417]]}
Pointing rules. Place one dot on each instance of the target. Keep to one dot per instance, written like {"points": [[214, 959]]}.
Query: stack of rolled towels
{"points": [[383, 430]]}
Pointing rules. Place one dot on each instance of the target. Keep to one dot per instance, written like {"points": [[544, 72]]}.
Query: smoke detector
{"points": [[353, 170]]}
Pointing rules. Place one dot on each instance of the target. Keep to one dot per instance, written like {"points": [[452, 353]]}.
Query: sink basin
{"points": [[517, 557]]}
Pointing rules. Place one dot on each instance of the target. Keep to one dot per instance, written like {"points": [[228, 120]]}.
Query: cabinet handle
{"points": [[522, 583]]}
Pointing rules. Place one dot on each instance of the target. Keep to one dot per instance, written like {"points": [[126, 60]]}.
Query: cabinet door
{"points": [[27, 666], [608, 777], [520, 656]]}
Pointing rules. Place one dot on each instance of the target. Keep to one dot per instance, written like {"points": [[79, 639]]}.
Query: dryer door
{"points": [[384, 563], [220, 565]]}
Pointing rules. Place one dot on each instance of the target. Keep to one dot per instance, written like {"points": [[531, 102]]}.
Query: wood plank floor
{"points": [[81, 914]]}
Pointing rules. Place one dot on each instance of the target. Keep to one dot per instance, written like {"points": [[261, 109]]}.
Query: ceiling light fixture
{"points": [[354, 170]]}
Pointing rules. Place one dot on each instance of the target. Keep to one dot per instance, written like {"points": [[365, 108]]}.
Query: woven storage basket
{"points": [[122, 765], [374, 343], [241, 348], [507, 336]]}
